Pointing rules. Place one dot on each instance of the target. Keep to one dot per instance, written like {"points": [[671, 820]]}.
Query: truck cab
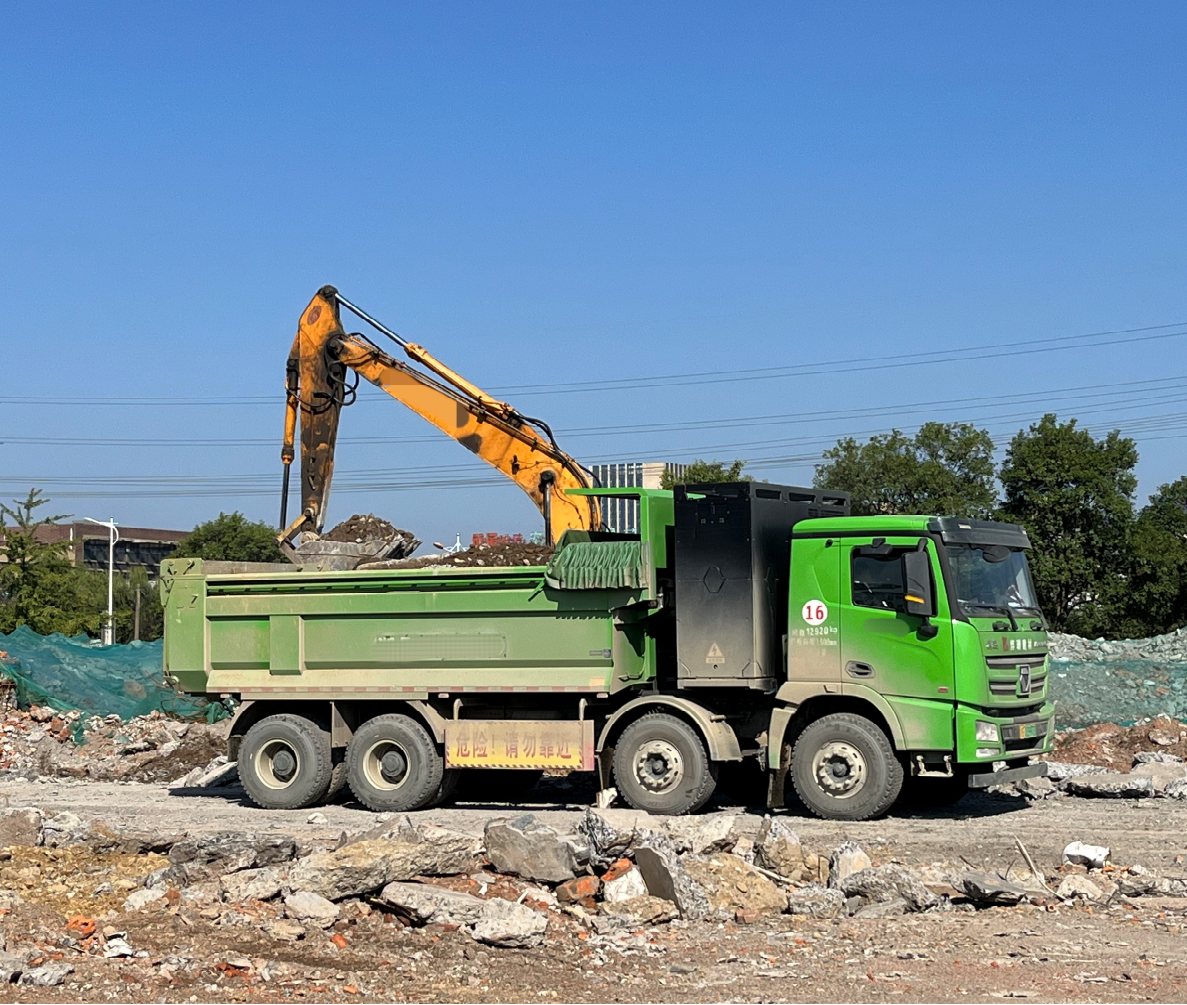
{"points": [[929, 628]]}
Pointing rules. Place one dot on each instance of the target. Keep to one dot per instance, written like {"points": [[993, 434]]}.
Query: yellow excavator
{"points": [[318, 388]]}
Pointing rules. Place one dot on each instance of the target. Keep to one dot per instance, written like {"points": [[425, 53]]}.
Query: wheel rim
{"points": [[659, 766], [840, 769], [277, 764], [385, 765]]}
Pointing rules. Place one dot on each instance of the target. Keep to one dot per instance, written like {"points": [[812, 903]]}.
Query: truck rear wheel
{"points": [[661, 766], [392, 764], [843, 768], [285, 762]]}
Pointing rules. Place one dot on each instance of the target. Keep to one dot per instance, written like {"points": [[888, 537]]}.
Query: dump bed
{"points": [[258, 631]]}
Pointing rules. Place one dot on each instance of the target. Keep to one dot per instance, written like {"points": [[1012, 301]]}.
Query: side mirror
{"points": [[917, 584]]}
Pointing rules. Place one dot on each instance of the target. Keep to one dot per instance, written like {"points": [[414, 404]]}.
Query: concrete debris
{"points": [[524, 847], [816, 901], [1079, 886], [1176, 789], [1059, 771], [884, 909], [732, 885], [64, 829], [1036, 788], [699, 835], [989, 892], [667, 878], [778, 848], [307, 906], [217, 773], [622, 882], [229, 851], [1155, 757], [511, 925], [1111, 786], [138, 900], [20, 825], [643, 910], [606, 843], [1094, 856], [845, 861], [425, 904], [48, 975], [253, 884], [1160, 773], [889, 882]]}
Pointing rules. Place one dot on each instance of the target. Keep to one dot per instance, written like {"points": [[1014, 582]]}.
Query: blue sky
{"points": [[548, 194]]}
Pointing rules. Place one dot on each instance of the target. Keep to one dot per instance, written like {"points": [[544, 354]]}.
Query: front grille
{"points": [[1032, 739], [1029, 743], [1003, 687], [1011, 662]]}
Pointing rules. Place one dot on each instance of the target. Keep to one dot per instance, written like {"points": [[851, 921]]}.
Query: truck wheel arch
{"points": [[718, 734], [786, 722]]}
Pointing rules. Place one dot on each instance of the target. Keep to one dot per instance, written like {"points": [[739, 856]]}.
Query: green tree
{"points": [[38, 586], [231, 537], [1074, 496], [1155, 598], [705, 473], [946, 469]]}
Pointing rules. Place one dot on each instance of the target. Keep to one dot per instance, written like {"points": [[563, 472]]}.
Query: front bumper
{"points": [[988, 778], [1018, 736]]}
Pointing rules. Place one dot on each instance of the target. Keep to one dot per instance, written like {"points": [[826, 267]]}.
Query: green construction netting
{"points": [[1120, 691], [69, 673], [598, 565]]}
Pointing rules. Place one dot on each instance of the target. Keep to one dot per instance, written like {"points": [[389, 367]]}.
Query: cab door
{"points": [[890, 651]]}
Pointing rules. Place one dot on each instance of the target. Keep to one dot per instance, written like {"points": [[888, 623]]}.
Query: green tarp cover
{"points": [[68, 673], [598, 565], [1120, 691]]}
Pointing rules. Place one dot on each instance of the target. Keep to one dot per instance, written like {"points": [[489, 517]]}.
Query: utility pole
{"points": [[114, 535]]}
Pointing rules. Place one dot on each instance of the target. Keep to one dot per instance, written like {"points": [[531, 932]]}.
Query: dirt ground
{"points": [[1050, 951]]}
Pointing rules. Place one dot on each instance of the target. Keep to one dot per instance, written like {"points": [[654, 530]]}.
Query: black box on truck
{"points": [[733, 556]]}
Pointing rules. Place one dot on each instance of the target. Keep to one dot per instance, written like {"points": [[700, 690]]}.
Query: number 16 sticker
{"points": [[815, 612]]}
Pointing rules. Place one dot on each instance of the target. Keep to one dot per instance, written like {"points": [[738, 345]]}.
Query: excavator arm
{"points": [[323, 357]]}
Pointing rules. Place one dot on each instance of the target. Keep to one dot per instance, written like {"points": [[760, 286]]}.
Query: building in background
{"points": [[86, 545], [622, 515]]}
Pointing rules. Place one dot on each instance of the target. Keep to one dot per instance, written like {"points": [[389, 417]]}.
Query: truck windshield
{"points": [[992, 579]]}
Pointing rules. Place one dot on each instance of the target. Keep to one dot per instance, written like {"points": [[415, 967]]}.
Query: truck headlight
{"points": [[986, 732]]}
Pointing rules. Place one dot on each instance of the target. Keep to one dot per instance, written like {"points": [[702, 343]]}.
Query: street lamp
{"points": [[109, 626]]}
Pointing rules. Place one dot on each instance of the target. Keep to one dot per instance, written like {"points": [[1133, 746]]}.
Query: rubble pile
{"points": [[44, 743], [1095, 681], [502, 554]]}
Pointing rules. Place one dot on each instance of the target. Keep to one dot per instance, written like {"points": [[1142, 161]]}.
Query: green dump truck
{"points": [[748, 630]]}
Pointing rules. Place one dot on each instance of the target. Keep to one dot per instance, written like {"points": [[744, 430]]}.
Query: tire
{"points": [[924, 793], [393, 765], [447, 789], [337, 779], [285, 762], [661, 766], [843, 768]]}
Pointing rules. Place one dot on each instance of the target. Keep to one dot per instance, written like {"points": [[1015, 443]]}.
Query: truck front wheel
{"points": [[661, 766], [393, 765], [843, 768], [285, 762]]}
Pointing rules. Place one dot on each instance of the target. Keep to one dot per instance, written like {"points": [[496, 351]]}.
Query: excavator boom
{"points": [[322, 357]]}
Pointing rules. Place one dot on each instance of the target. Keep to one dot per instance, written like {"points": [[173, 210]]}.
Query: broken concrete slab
{"points": [[667, 879], [367, 866], [816, 901], [1061, 771], [1155, 757], [20, 825], [623, 884], [1111, 786], [425, 904], [229, 851], [1160, 773], [893, 908], [646, 910], [779, 849], [515, 926], [845, 861], [522, 846], [1079, 886], [306, 906], [253, 884], [699, 835], [733, 885], [138, 900], [889, 882]]}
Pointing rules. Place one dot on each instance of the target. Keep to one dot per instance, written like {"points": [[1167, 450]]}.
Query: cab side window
{"points": [[878, 581]]}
